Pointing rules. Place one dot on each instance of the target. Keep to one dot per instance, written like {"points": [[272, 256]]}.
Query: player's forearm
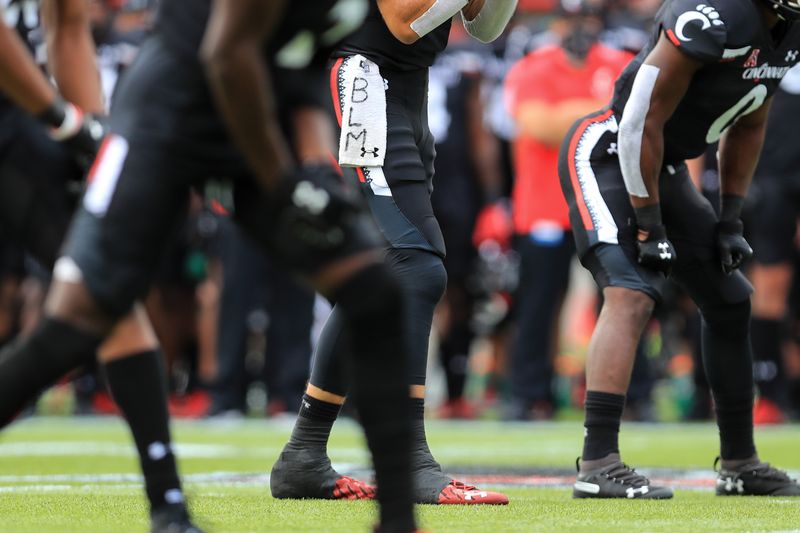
{"points": [[240, 82], [71, 59], [232, 51], [651, 161], [548, 123], [486, 19], [71, 54], [739, 150], [20, 78], [409, 20], [484, 148]]}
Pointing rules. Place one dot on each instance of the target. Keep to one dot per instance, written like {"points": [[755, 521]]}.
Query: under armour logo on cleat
{"points": [[730, 484], [632, 492], [474, 494], [665, 253]]}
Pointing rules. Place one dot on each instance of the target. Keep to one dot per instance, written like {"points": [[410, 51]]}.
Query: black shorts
{"points": [[39, 185], [399, 192], [773, 225], [604, 224], [166, 138]]}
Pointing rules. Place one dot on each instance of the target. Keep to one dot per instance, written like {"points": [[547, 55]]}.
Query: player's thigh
{"points": [[399, 192], [602, 218], [137, 193], [692, 228], [772, 228]]}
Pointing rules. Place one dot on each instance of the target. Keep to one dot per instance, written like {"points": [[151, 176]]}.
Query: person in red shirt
{"points": [[545, 93]]}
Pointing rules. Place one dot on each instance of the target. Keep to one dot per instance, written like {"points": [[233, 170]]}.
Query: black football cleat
{"points": [[301, 474], [755, 479], [617, 480], [172, 518]]}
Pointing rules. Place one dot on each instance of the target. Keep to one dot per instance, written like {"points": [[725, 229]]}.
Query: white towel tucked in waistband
{"points": [[363, 98]]}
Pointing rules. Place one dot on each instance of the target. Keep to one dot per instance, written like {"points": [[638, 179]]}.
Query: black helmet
{"points": [[785, 9]]}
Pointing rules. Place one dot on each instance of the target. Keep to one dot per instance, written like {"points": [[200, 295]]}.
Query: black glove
{"points": [[655, 251], [732, 246], [311, 207], [80, 133]]}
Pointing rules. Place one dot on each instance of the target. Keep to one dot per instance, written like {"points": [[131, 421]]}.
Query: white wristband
{"points": [[440, 12], [492, 19], [73, 120]]}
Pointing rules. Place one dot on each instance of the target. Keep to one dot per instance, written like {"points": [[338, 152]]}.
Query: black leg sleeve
{"points": [[728, 360], [29, 366], [372, 306]]}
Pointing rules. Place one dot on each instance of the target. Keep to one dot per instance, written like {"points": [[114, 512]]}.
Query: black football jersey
{"points": [[308, 33], [780, 157], [743, 64], [23, 15], [374, 41]]}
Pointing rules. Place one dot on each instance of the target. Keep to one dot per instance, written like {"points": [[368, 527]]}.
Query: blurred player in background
{"points": [[39, 171], [773, 233], [165, 137], [708, 73], [546, 92], [464, 186], [380, 91]]}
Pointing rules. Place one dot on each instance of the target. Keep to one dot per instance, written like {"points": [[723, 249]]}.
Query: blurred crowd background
{"points": [[511, 333]]}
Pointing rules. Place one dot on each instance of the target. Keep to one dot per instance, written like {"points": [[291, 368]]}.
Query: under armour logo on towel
{"points": [[612, 149], [791, 55]]}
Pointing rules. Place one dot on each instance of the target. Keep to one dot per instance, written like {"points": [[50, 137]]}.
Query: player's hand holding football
{"points": [[80, 132], [655, 250]]}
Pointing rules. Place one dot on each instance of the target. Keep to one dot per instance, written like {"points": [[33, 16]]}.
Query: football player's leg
{"points": [[724, 303], [772, 233], [39, 175], [372, 307], [601, 215], [134, 369], [303, 470]]}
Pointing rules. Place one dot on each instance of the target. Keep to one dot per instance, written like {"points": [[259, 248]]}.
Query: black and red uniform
{"points": [[166, 136], [743, 63]]}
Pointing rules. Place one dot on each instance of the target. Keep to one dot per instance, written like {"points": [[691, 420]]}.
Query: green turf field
{"points": [[64, 475]]}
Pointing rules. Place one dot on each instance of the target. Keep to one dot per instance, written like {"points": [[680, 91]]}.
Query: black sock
{"points": [[728, 360], [28, 366], [768, 339], [421, 455], [314, 423], [373, 305], [138, 385], [603, 415]]}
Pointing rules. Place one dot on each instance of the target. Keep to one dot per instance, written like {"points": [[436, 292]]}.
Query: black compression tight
{"points": [[423, 279]]}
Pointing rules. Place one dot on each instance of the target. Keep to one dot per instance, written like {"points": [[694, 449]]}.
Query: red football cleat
{"points": [[458, 493], [767, 412], [348, 488]]}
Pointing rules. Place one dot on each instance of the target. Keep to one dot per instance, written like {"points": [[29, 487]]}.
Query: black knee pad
{"points": [[732, 320], [420, 272], [370, 296]]}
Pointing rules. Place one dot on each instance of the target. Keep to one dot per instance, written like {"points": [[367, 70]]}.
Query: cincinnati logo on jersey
{"points": [[752, 61], [707, 16], [765, 72]]}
